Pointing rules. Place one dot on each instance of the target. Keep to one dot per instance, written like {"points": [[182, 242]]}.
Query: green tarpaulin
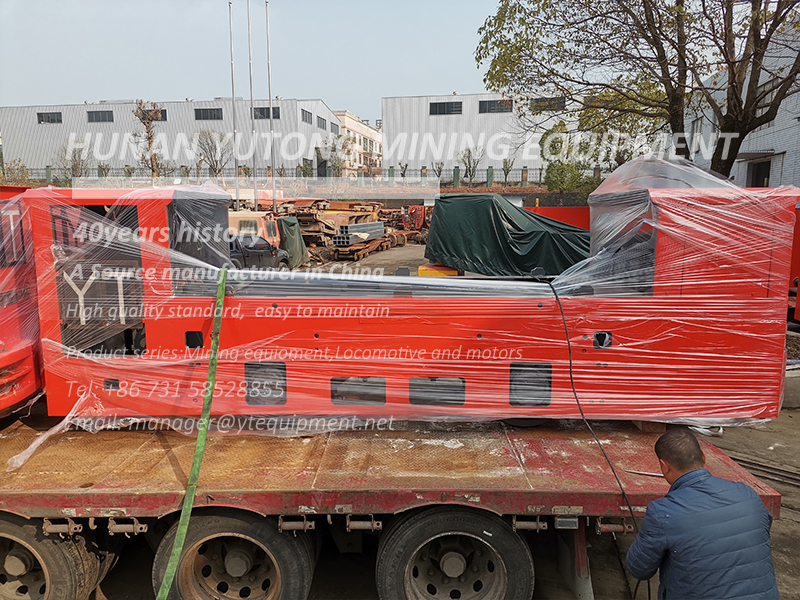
{"points": [[292, 241], [485, 233]]}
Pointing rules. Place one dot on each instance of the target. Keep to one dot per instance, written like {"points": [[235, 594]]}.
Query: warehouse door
{"points": [[759, 174]]}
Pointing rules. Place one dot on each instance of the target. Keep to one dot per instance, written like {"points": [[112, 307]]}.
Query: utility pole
{"points": [[271, 129], [233, 107], [252, 107]]}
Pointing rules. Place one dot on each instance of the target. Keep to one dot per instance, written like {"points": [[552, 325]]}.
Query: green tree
{"points": [[658, 56]]}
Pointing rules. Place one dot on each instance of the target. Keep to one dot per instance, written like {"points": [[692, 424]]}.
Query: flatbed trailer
{"points": [[388, 481]]}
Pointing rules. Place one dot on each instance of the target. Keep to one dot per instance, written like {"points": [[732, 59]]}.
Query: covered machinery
{"points": [[487, 234], [677, 315]]}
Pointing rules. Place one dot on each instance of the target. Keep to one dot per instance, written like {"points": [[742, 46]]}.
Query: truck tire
{"points": [[232, 554], [109, 549], [453, 552], [38, 566]]}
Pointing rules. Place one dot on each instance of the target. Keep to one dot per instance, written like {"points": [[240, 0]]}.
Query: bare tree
{"points": [[72, 163], [651, 59], [438, 167], [214, 149], [471, 158], [15, 173], [508, 166], [150, 157]]}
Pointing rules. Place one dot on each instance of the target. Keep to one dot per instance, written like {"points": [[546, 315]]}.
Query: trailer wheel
{"points": [[109, 549], [34, 566], [231, 555], [453, 552]]}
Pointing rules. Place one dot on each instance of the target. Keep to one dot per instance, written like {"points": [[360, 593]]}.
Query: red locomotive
{"points": [[679, 314]]}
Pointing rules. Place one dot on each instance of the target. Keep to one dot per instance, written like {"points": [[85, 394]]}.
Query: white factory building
{"points": [[423, 130], [37, 134], [770, 155]]}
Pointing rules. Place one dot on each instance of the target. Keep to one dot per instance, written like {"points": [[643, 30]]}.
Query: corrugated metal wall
{"points": [[412, 135], [39, 145]]}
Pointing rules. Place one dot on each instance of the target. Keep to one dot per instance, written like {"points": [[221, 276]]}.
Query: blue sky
{"points": [[349, 53]]}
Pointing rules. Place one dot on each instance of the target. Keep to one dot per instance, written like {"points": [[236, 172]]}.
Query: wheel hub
{"points": [[453, 564], [18, 562], [238, 561], [21, 574], [458, 567], [230, 567]]}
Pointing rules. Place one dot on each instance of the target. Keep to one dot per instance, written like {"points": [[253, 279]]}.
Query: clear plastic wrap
{"points": [[678, 315], [20, 361]]}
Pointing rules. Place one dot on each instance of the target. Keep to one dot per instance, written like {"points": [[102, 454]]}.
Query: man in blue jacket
{"points": [[709, 536]]}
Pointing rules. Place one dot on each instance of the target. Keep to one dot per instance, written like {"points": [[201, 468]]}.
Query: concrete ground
{"points": [[350, 576], [412, 255]]}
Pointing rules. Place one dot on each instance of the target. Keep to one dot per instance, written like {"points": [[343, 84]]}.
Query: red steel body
{"points": [[708, 342], [19, 334], [571, 215]]}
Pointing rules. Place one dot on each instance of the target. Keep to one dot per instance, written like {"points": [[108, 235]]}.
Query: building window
{"points": [[52, 117], [495, 106], [371, 146], [262, 112], [322, 123], [697, 133], [306, 116], [163, 115], [100, 116], [208, 114], [763, 105], [334, 128], [445, 108]]}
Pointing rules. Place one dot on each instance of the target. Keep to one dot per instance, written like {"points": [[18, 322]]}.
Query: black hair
{"points": [[680, 448]]}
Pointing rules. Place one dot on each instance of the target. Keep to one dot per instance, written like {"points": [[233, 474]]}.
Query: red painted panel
{"points": [[571, 215]]}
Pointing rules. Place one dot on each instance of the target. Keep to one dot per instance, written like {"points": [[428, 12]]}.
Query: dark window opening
{"points": [[208, 114], [265, 383], [358, 390], [759, 174], [322, 123], [262, 112], [48, 117], [12, 237], [194, 339], [100, 116], [306, 116], [437, 391], [530, 384], [445, 108], [495, 106]]}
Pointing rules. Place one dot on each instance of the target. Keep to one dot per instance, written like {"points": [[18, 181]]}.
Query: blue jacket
{"points": [[710, 537]]}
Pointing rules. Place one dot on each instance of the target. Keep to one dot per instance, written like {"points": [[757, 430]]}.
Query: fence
{"points": [[391, 175], [480, 178]]}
